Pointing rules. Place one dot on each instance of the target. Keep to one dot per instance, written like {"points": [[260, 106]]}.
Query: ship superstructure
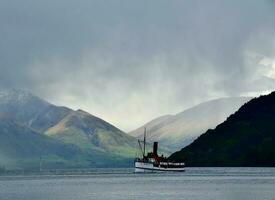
{"points": [[152, 162]]}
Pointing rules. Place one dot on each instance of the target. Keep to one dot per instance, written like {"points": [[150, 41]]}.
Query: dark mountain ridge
{"points": [[246, 138]]}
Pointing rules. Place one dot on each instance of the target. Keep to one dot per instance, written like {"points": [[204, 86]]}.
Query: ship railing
{"points": [[171, 163]]}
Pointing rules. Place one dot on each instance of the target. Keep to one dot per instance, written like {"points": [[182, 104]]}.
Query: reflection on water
{"points": [[120, 184]]}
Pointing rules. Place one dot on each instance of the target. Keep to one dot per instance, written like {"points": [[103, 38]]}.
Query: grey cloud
{"points": [[136, 60]]}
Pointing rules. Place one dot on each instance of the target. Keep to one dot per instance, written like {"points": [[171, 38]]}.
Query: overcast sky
{"points": [[129, 61]]}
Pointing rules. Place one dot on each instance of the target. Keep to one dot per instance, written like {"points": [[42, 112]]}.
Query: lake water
{"points": [[194, 184]]}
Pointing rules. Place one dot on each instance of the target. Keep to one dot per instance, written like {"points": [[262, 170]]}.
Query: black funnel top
{"points": [[155, 148]]}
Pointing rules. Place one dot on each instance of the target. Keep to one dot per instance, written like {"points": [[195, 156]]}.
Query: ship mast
{"points": [[139, 143], [144, 141], [144, 144]]}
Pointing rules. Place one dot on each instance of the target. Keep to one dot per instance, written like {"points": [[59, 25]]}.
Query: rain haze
{"points": [[130, 61]]}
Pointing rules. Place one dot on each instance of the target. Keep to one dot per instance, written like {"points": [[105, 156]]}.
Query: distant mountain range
{"points": [[35, 133], [177, 131], [32, 130], [246, 138]]}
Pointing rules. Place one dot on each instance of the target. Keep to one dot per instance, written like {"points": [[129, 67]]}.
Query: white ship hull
{"points": [[142, 167]]}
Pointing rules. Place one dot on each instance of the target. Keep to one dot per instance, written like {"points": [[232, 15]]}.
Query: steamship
{"points": [[152, 162]]}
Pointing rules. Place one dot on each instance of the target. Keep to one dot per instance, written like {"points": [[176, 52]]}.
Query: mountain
{"points": [[22, 147], [31, 110], [98, 143], [246, 138], [92, 133], [176, 131]]}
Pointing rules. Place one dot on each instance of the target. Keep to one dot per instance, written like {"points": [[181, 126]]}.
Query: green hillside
{"points": [[33, 129], [22, 147], [93, 134]]}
